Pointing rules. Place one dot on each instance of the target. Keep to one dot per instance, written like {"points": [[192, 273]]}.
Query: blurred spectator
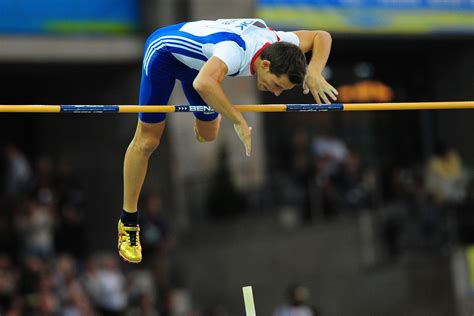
{"points": [[329, 153], [74, 299], [465, 218], [18, 173], [90, 281], [426, 215], [44, 303], [445, 178], [157, 242], [15, 308], [69, 237], [179, 304], [224, 199], [356, 184], [301, 172], [144, 306], [155, 228], [44, 172], [8, 235], [36, 229], [37, 287], [393, 216], [332, 148], [111, 295], [32, 269], [297, 303], [8, 283], [141, 288], [67, 186]]}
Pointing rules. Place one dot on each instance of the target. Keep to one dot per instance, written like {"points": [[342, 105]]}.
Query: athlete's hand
{"points": [[244, 133], [319, 87]]}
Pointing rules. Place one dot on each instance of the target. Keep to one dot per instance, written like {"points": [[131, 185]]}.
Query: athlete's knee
{"points": [[146, 144], [146, 140], [211, 137], [147, 137], [206, 136], [206, 131]]}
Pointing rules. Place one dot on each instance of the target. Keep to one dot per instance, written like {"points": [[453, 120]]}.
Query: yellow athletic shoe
{"points": [[129, 247]]}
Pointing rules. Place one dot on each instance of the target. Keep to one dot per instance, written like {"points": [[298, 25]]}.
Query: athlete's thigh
{"points": [[207, 123], [195, 99], [155, 88]]}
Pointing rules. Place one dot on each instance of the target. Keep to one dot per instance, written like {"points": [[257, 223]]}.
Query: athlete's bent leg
{"points": [[206, 125], [207, 131]]}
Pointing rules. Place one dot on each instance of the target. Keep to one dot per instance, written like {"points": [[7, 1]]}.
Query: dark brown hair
{"points": [[286, 59]]}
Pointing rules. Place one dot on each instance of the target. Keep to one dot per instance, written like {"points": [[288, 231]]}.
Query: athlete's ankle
{"points": [[129, 218]]}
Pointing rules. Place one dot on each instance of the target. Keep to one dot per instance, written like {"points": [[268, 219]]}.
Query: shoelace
{"points": [[132, 238]]}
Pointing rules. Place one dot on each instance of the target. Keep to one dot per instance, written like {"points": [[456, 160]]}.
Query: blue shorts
{"points": [[163, 70]]}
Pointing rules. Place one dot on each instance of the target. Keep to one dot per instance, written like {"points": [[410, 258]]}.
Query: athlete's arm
{"points": [[208, 83], [319, 42]]}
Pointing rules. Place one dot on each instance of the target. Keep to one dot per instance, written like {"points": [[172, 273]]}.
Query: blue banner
{"points": [[371, 16], [68, 16]]}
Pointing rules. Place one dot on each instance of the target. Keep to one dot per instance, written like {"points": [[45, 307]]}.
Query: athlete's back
{"points": [[234, 41]]}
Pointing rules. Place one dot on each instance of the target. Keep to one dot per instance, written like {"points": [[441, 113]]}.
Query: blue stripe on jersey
{"points": [[182, 43], [168, 39], [174, 38], [188, 53], [168, 45], [217, 38], [208, 39], [173, 48]]}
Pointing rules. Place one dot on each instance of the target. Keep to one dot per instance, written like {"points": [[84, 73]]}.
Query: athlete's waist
{"points": [[166, 30]]}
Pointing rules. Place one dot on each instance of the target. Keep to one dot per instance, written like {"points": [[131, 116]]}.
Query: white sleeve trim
{"points": [[289, 37]]}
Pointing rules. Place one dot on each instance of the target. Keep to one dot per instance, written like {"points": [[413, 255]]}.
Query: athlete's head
{"points": [[280, 67]]}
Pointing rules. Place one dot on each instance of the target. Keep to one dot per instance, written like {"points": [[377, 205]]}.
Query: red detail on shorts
{"points": [[252, 71]]}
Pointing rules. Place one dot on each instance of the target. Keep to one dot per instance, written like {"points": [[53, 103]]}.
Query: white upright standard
{"points": [[248, 301]]}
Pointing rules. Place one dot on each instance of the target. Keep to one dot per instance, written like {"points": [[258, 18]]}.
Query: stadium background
{"points": [[350, 205]]}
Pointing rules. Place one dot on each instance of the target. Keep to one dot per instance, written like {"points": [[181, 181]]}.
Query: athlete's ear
{"points": [[265, 64]]}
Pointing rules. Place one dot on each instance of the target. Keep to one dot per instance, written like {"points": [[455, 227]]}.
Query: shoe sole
{"points": [[128, 260]]}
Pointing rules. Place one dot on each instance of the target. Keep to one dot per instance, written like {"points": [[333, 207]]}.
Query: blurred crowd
{"points": [[323, 177], [430, 205], [425, 206], [46, 267], [297, 303]]}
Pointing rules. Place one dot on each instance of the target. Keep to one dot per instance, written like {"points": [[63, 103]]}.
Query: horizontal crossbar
{"points": [[241, 108]]}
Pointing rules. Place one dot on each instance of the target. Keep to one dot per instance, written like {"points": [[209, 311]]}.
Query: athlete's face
{"points": [[267, 81]]}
